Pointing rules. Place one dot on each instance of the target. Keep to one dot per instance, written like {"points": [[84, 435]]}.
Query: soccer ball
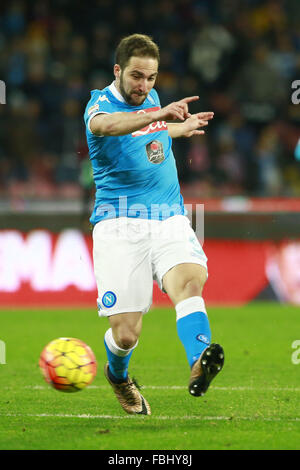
{"points": [[68, 364]]}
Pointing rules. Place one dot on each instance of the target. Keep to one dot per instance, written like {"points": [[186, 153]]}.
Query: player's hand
{"points": [[176, 110], [196, 121]]}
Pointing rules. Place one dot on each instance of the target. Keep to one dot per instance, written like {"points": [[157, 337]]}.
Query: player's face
{"points": [[137, 79]]}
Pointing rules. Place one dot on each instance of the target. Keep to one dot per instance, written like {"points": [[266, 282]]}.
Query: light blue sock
{"points": [[193, 327], [118, 358]]}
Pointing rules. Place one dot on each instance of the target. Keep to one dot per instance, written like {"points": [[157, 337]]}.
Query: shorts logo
{"points": [[203, 339], [109, 299]]}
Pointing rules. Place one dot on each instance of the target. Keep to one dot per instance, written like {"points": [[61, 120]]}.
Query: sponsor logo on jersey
{"points": [[153, 127]]}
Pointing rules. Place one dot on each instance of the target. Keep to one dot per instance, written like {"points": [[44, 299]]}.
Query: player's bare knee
{"points": [[127, 342], [193, 287], [126, 338], [126, 329]]}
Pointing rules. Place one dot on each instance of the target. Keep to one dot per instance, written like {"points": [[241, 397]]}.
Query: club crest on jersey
{"points": [[155, 151], [109, 299]]}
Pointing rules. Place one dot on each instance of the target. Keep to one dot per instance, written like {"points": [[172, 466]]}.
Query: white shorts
{"points": [[130, 253]]}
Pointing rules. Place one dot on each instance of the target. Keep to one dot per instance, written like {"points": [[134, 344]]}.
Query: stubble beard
{"points": [[127, 96]]}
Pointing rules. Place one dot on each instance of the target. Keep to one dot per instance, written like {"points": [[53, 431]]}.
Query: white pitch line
{"points": [[236, 389], [159, 417], [182, 387]]}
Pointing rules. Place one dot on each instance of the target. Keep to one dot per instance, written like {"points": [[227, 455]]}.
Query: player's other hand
{"points": [[196, 121], [178, 110]]}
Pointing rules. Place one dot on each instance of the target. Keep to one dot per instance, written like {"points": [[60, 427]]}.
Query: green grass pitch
{"points": [[252, 404]]}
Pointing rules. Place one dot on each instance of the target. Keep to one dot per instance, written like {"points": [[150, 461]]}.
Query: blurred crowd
{"points": [[240, 56]]}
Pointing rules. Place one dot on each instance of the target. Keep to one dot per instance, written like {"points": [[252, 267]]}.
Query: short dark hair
{"points": [[137, 45]]}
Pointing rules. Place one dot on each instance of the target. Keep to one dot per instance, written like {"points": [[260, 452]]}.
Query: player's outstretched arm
{"points": [[178, 110], [191, 126], [122, 123]]}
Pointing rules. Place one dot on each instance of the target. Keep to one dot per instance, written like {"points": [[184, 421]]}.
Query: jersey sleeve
{"points": [[98, 104]]}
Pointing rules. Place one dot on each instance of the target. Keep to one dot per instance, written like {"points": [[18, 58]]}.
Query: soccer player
{"points": [[141, 231]]}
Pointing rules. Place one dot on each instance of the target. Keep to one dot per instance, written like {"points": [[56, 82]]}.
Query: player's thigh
{"points": [[184, 280], [180, 264], [123, 273]]}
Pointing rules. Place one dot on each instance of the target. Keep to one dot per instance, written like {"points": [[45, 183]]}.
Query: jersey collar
{"points": [[112, 88]]}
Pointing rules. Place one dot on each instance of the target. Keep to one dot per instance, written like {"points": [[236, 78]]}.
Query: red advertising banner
{"points": [[247, 205], [45, 269]]}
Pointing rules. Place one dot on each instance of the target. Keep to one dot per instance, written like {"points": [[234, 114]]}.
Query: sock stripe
{"points": [[113, 347], [118, 358], [193, 327], [187, 306]]}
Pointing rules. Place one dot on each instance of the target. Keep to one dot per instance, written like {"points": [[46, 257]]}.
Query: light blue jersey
{"points": [[135, 174]]}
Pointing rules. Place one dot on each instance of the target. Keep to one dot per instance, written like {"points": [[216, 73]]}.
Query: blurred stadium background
{"points": [[240, 56]]}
